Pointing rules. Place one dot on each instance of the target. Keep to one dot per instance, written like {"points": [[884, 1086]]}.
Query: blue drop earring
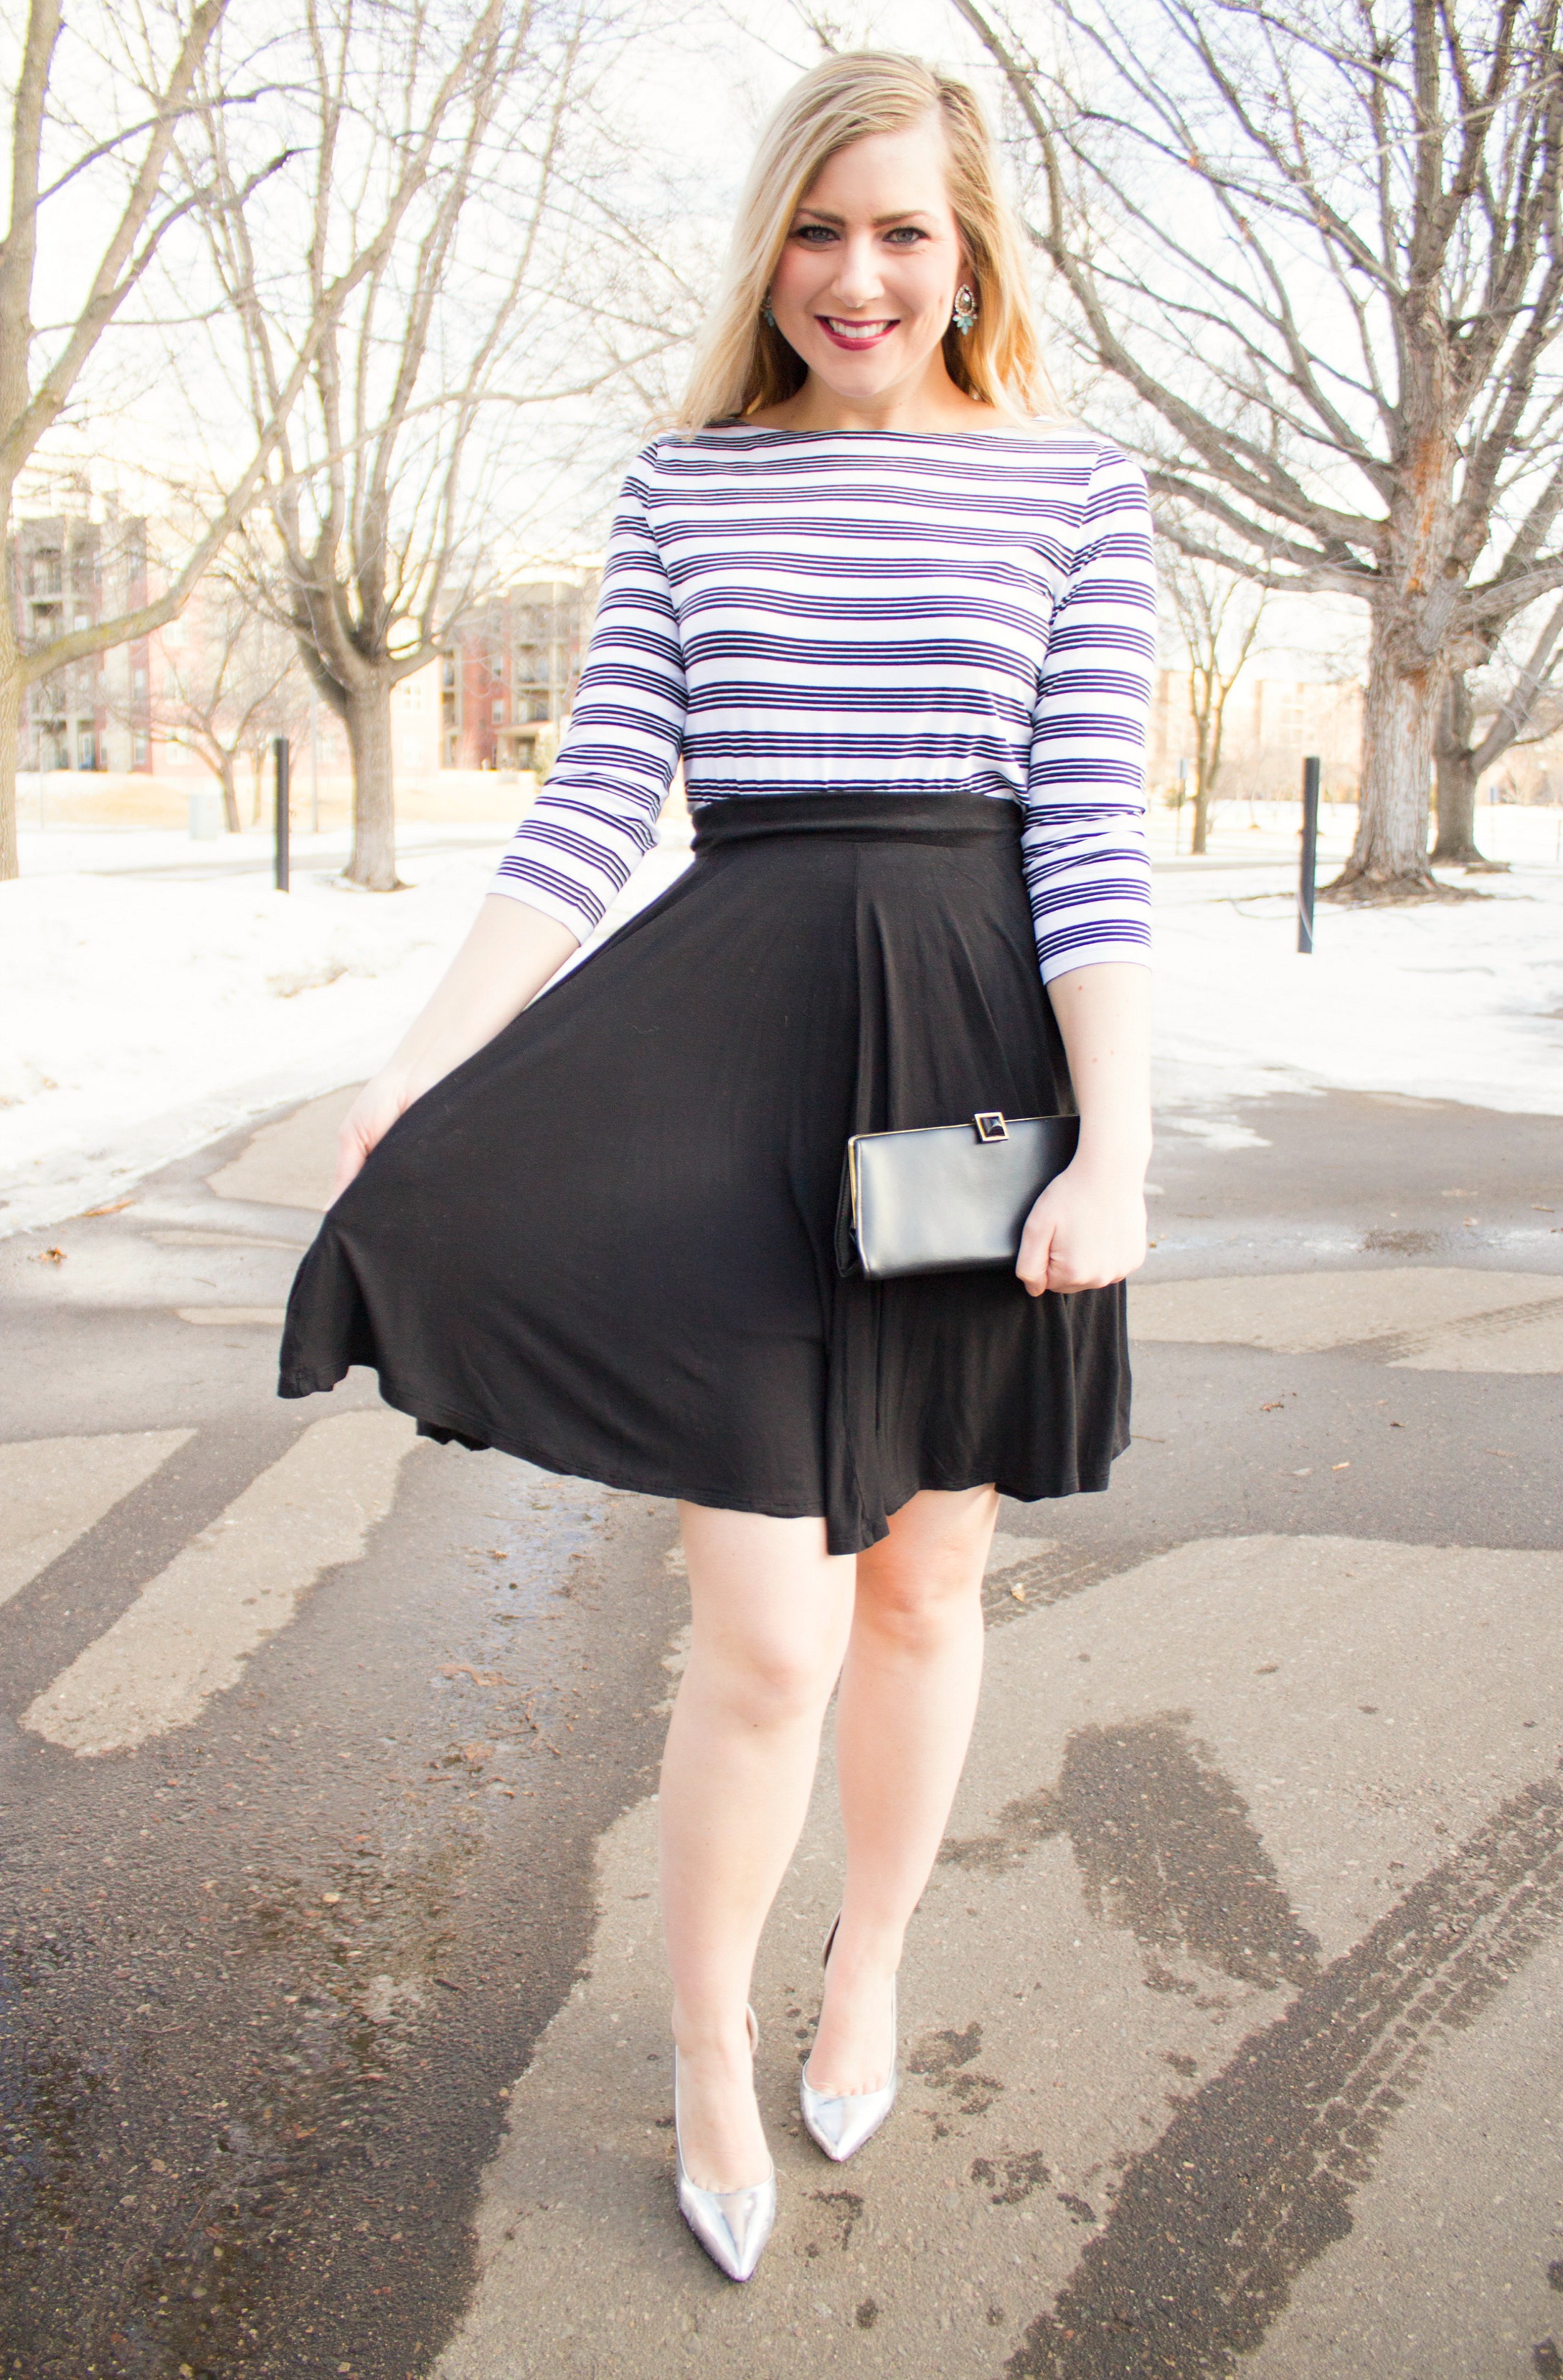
{"points": [[766, 314], [965, 314]]}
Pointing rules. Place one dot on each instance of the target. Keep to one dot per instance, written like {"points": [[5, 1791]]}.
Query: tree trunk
{"points": [[1201, 689], [230, 792], [1389, 858], [10, 737], [1456, 845], [1202, 786], [368, 711], [1210, 753]]}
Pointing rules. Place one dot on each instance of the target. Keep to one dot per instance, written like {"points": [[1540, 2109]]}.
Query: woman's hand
{"points": [[511, 953], [1087, 1228], [369, 1120]]}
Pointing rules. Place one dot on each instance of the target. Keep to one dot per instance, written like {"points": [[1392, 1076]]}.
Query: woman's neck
{"points": [[931, 403]]}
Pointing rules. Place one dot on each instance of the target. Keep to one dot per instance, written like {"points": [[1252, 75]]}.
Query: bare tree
{"points": [[1317, 247], [146, 74], [234, 685], [395, 487], [1522, 712], [128, 168], [1217, 629]]}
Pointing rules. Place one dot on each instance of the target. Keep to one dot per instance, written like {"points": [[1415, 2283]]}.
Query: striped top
{"points": [[811, 612]]}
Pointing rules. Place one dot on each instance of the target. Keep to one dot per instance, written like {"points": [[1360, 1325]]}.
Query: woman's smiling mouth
{"points": [[848, 334]]}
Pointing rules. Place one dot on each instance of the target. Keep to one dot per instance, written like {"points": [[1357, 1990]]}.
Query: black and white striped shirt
{"points": [[882, 611]]}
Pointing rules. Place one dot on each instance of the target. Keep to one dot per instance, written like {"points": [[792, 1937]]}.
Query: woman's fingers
{"points": [[365, 1126], [1095, 1260], [351, 1151], [1094, 1257], [1082, 1234], [1035, 1259]]}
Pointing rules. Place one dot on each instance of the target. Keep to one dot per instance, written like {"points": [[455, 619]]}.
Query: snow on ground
{"points": [[155, 993], [1433, 1001]]}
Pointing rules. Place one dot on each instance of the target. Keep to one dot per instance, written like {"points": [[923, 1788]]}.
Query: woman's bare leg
{"points": [[772, 1615], [903, 1720]]}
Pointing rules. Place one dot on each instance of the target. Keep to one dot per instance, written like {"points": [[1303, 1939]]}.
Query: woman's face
{"points": [[866, 282]]}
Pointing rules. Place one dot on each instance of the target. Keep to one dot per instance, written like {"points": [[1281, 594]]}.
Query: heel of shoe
{"points": [[841, 2122], [732, 2226]]}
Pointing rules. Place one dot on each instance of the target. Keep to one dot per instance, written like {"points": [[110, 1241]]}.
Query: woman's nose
{"points": [[858, 281]]}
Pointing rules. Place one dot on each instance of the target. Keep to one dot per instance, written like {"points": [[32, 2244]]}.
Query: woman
{"points": [[900, 630]]}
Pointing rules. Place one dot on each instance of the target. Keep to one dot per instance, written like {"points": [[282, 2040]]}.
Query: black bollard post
{"points": [[1310, 855], [280, 758]]}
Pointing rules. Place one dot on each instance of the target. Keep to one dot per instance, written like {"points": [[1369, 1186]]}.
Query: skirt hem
{"points": [[480, 1438]]}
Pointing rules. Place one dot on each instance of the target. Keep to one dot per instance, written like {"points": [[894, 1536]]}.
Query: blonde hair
{"points": [[742, 363]]}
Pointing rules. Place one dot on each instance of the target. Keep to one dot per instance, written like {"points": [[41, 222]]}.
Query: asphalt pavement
{"points": [[332, 2022]]}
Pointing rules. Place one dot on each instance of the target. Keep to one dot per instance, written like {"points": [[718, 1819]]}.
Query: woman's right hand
{"points": [[368, 1121], [512, 950]]}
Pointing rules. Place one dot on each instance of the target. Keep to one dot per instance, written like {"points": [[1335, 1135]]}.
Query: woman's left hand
{"points": [[1087, 1228]]}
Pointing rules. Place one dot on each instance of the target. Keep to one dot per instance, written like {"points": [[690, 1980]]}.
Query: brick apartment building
{"points": [[509, 677], [496, 699], [73, 563]]}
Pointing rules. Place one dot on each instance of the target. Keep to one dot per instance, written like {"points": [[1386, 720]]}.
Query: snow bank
{"points": [[154, 995], [1433, 1001], [147, 1009]]}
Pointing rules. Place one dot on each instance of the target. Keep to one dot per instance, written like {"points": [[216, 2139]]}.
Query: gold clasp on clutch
{"points": [[990, 1126]]}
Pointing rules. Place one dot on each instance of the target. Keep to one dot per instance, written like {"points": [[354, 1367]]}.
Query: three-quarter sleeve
{"points": [[1085, 854], [596, 818]]}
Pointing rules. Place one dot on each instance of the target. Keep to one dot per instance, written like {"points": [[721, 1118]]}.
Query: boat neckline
{"points": [[1023, 436]]}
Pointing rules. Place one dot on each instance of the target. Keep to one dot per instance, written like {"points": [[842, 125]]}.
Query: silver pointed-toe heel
{"points": [[841, 2122], [732, 2226]]}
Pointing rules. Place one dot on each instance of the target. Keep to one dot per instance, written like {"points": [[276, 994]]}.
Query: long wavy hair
{"points": [[742, 363]]}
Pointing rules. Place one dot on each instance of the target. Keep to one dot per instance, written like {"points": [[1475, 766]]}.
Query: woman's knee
{"points": [[926, 1576], [770, 1612], [766, 1678]]}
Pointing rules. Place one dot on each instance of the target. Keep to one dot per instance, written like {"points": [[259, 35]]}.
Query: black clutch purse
{"points": [[950, 1198]]}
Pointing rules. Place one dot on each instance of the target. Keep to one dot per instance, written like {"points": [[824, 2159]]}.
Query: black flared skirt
{"points": [[607, 1242]]}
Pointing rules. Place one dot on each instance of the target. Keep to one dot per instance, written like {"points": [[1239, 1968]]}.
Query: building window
{"points": [[499, 713], [140, 751]]}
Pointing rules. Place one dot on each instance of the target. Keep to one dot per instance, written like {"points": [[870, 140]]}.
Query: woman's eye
{"points": [[814, 233], [906, 234]]}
